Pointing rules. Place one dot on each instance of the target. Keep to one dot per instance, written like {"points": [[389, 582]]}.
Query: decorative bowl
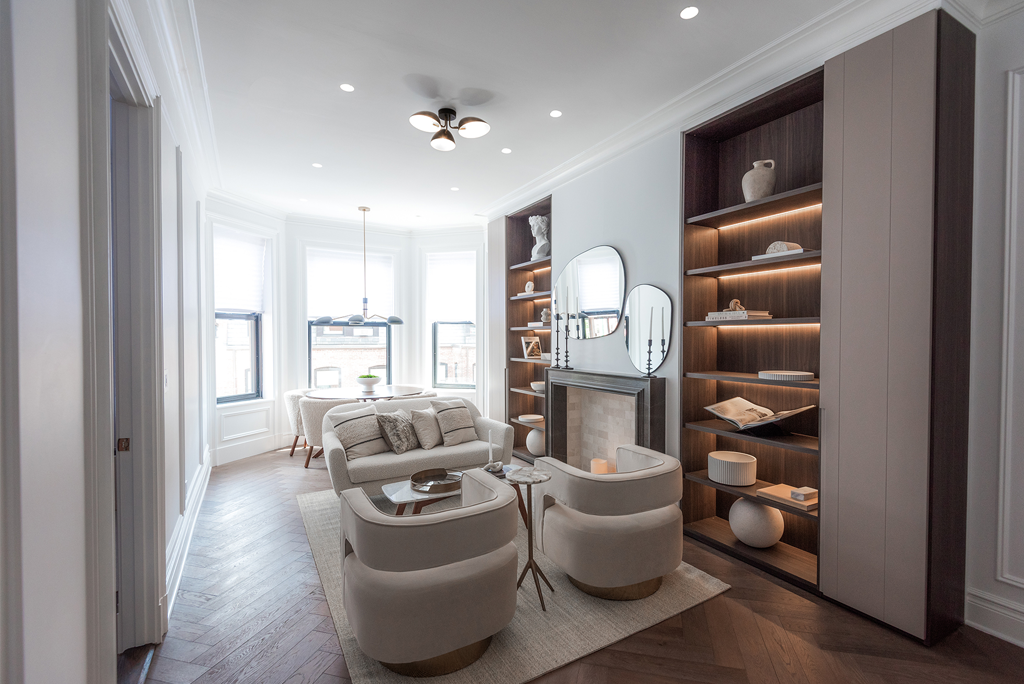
{"points": [[435, 480], [538, 386], [732, 468], [367, 383]]}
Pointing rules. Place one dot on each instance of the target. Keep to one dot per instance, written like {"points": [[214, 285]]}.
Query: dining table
{"points": [[376, 393]]}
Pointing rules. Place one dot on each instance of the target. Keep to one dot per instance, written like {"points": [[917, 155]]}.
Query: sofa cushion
{"points": [[428, 432], [359, 432], [455, 420], [397, 430], [389, 466]]}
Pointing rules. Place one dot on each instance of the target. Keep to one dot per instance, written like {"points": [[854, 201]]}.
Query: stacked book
{"points": [[804, 498], [736, 315]]}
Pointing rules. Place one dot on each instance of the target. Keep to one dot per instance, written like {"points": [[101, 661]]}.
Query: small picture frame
{"points": [[531, 347]]}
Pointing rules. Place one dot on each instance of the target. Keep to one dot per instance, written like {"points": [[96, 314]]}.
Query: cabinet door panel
{"points": [[864, 327]]}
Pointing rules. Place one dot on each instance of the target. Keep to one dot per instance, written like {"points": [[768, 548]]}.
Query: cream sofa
{"points": [[615, 535], [424, 594], [370, 473]]}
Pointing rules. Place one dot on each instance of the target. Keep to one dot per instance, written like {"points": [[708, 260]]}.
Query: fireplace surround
{"points": [[648, 402]]}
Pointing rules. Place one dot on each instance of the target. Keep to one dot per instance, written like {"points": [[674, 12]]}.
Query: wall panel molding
{"points": [[1010, 544]]}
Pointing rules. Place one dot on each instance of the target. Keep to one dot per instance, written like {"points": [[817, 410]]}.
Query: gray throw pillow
{"points": [[427, 430], [397, 430], [359, 433], [455, 420]]}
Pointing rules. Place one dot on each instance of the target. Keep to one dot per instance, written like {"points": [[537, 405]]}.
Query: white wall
{"points": [[995, 562]]}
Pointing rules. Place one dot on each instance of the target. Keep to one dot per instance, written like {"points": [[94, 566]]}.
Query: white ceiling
{"points": [[274, 69]]}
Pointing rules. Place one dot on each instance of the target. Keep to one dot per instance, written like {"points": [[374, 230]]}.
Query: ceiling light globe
{"points": [[472, 127], [443, 141], [555, 113], [425, 121], [689, 13]]}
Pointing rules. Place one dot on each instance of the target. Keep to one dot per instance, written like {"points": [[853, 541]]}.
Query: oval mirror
{"points": [[588, 293], [647, 326]]}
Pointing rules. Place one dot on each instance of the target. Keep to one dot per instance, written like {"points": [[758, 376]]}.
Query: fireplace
{"points": [[590, 413]]}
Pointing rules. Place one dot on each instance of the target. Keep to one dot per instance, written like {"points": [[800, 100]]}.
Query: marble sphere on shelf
{"points": [[756, 525]]}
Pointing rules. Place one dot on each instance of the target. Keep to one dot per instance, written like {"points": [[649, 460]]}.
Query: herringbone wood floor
{"points": [[251, 609]]}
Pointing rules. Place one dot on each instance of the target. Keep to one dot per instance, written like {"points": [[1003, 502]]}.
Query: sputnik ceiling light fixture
{"points": [[440, 125], [356, 319]]}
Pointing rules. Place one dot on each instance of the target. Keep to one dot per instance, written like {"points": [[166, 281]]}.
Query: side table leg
{"points": [[401, 509], [522, 507]]}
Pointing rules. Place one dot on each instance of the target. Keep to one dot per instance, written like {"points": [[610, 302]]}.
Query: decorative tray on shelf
{"points": [[436, 480]]}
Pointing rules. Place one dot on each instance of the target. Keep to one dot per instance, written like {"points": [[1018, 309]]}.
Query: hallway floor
{"points": [[251, 610]]}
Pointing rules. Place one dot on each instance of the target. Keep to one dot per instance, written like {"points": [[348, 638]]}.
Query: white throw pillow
{"points": [[359, 432], [455, 420], [428, 432]]}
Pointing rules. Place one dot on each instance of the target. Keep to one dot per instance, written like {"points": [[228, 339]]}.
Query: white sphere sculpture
{"points": [[756, 525], [535, 442]]}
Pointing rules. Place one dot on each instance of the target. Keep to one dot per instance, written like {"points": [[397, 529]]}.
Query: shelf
{"points": [[533, 426], [531, 265], [546, 363], [796, 442], [546, 294], [807, 258], [751, 378], [539, 328], [523, 453], [790, 563], [528, 390], [810, 320], [800, 198], [701, 477]]}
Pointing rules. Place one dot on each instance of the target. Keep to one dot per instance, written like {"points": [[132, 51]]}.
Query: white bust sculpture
{"points": [[539, 228]]}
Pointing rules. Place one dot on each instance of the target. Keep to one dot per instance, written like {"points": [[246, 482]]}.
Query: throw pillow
{"points": [[397, 430], [455, 420], [427, 430], [359, 432]]}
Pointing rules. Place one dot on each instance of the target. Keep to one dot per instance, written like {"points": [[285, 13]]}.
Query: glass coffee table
{"points": [[402, 494]]}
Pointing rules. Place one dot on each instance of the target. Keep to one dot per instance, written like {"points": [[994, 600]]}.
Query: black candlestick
{"points": [[663, 349], [650, 344], [567, 366], [558, 354]]}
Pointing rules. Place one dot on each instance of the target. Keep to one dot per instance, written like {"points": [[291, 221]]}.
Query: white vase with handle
{"points": [[759, 181]]}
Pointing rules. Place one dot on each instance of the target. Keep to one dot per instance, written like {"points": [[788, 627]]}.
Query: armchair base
{"points": [[630, 592], [446, 663]]}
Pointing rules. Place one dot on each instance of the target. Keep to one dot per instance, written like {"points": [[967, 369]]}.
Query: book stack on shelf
{"points": [[736, 315]]}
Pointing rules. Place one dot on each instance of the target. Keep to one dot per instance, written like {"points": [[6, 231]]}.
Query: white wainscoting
{"points": [[246, 429]]}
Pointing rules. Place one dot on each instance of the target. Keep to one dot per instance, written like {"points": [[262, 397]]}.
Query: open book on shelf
{"points": [[743, 414]]}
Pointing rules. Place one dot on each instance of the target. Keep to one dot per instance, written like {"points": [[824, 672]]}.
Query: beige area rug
{"points": [[535, 642]]}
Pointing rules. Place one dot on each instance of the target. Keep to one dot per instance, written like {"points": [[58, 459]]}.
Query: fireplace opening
{"points": [[596, 424]]}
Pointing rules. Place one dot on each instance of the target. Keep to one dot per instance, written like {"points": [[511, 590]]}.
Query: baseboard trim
{"points": [[181, 539], [236, 451], [995, 615]]}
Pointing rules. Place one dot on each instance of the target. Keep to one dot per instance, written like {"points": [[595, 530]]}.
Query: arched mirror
{"points": [[647, 326], [588, 293]]}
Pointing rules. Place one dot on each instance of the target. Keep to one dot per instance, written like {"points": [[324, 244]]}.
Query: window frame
{"points": [[257, 356], [433, 364], [340, 324]]}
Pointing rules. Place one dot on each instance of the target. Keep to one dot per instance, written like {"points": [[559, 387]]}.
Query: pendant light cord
{"points": [[365, 309]]}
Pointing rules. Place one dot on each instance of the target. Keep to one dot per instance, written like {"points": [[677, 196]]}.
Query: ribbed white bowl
{"points": [[732, 468]]}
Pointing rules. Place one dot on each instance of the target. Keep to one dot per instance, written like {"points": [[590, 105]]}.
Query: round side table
{"points": [[530, 477]]}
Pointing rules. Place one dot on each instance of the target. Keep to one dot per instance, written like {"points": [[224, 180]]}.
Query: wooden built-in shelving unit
{"points": [[522, 309], [721, 359]]}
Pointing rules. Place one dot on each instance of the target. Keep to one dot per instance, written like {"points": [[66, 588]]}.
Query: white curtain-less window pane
{"points": [[334, 283], [234, 357], [599, 285], [238, 271], [451, 287]]}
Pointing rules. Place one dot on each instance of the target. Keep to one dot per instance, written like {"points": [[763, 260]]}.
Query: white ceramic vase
{"points": [[756, 525], [535, 442], [759, 181]]}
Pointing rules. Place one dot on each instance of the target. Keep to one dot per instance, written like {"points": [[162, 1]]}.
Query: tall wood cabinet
{"points": [[875, 175], [895, 332]]}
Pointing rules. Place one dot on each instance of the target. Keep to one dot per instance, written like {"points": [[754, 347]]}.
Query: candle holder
{"points": [[558, 354], [663, 349], [650, 346], [567, 366]]}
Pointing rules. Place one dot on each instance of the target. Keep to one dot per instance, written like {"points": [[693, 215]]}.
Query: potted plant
{"points": [[368, 381]]}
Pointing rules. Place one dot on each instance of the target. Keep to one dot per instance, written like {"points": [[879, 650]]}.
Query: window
{"points": [[239, 262], [451, 310], [340, 353]]}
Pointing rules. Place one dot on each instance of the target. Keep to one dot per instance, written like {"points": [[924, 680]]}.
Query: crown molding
{"points": [[126, 47], [983, 12], [790, 56]]}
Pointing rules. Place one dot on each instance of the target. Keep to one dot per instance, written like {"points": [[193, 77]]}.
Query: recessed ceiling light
{"points": [[506, 150], [303, 199], [689, 13], [555, 113], [347, 88], [455, 189], [317, 166]]}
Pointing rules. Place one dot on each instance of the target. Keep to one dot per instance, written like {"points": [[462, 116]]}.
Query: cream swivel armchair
{"points": [[291, 405], [615, 535], [425, 594], [312, 412]]}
